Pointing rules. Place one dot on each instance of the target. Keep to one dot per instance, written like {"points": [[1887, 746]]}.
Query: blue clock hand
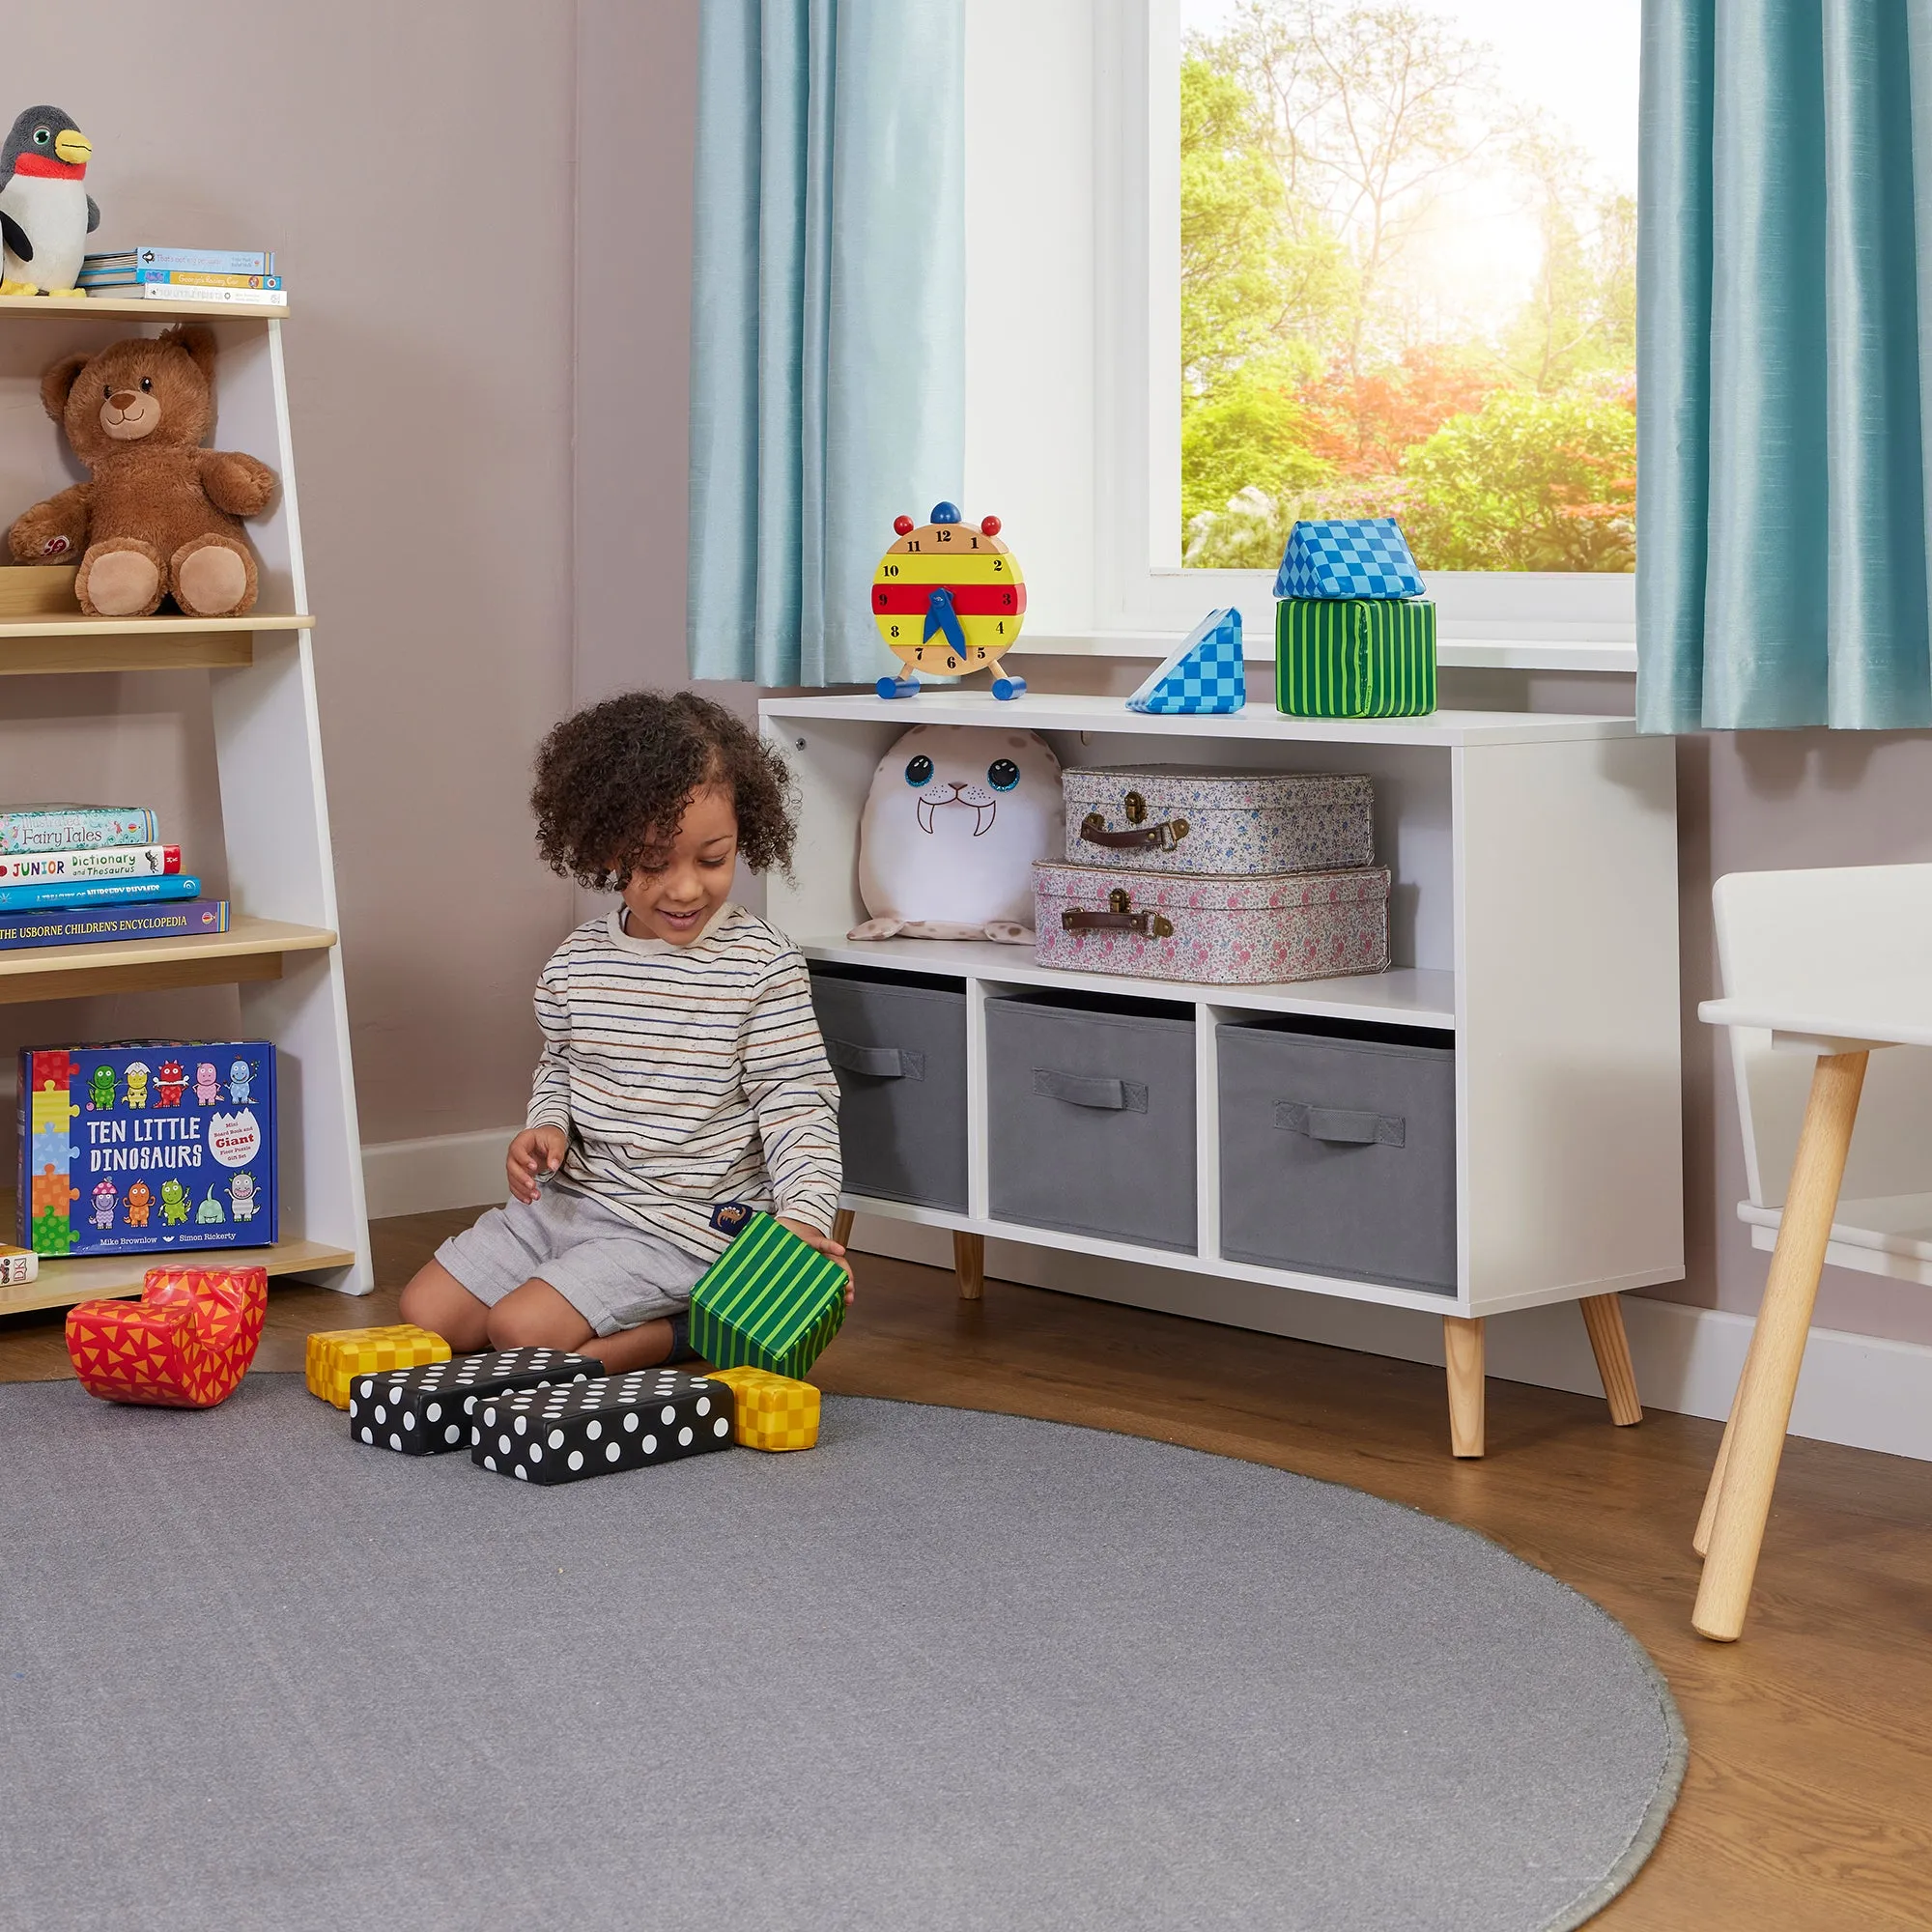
{"points": [[939, 616]]}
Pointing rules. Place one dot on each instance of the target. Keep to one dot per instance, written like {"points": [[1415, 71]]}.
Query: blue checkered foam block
{"points": [[1363, 556], [1204, 677]]}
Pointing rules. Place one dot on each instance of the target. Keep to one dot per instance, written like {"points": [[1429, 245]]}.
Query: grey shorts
{"points": [[614, 1273]]}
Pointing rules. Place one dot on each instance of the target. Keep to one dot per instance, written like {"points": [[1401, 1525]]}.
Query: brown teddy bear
{"points": [[160, 516]]}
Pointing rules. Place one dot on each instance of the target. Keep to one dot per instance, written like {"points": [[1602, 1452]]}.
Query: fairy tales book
{"points": [[145, 1145]]}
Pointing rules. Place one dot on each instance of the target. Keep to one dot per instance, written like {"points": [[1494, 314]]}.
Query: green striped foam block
{"points": [[1354, 657], [769, 1302]]}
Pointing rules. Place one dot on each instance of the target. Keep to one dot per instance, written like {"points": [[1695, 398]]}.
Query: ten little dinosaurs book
{"points": [[148, 1145]]}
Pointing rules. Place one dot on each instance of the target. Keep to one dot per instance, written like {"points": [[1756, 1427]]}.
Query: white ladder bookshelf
{"points": [[281, 952]]}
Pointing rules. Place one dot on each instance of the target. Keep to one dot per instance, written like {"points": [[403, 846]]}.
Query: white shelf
{"points": [[1258, 722], [1533, 918], [262, 718], [1403, 996], [1348, 1287]]}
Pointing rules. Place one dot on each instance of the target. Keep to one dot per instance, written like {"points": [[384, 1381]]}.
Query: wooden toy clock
{"points": [[949, 598]]}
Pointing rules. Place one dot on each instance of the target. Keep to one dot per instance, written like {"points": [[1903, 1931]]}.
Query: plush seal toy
{"points": [[957, 816]]}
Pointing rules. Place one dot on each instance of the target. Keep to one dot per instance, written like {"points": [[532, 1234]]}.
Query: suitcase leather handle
{"points": [[1088, 1089], [1161, 837], [1341, 1126], [1118, 918], [881, 1062]]}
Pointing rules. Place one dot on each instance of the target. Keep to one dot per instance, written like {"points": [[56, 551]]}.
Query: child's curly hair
{"points": [[611, 782]]}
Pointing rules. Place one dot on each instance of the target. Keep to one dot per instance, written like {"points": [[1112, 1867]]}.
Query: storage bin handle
{"points": [[1118, 918], [1088, 1089], [882, 1062], [1161, 837], [1341, 1126]]}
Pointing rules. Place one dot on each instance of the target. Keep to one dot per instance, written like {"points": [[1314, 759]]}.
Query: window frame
{"points": [[1118, 127]]}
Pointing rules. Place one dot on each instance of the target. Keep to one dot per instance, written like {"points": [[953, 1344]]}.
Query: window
{"points": [[1306, 257], [1408, 277]]}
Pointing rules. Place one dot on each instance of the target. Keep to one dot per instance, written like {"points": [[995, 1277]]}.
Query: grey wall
{"points": [[416, 167]]}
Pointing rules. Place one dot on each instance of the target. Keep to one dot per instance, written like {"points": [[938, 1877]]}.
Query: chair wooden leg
{"points": [[1463, 1351], [1762, 1411], [1715, 1488], [841, 1225], [1603, 1323], [968, 1263]]}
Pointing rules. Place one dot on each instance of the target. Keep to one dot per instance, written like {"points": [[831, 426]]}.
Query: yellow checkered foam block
{"points": [[336, 1356], [773, 1411]]}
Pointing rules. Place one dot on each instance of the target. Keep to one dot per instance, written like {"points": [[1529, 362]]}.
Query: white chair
{"points": [[1818, 968], [1814, 936]]}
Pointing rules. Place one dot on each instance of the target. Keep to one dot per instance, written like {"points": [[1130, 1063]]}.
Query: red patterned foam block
{"points": [[184, 1345]]}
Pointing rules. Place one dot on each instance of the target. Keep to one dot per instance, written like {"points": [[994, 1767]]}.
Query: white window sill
{"points": [[1455, 653]]}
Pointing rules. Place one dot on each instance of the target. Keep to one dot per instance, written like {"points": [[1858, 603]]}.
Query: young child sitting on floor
{"points": [[682, 1066]]}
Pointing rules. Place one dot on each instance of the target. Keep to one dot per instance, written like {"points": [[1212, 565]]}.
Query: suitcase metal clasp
{"points": [[1135, 808]]}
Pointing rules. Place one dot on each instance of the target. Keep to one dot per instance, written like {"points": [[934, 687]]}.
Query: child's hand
{"points": [[825, 1245], [535, 1151]]}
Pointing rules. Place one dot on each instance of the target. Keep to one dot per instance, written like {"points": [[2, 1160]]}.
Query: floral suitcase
{"points": [[1212, 928], [1167, 818]]}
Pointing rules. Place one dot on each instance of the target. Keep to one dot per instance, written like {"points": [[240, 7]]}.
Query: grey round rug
{"points": [[947, 1670]]}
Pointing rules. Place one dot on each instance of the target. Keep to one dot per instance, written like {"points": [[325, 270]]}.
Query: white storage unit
{"points": [[1533, 924], [281, 949]]}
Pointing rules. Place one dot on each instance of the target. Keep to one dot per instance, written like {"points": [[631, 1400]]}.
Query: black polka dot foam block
{"points": [[564, 1434], [427, 1410]]}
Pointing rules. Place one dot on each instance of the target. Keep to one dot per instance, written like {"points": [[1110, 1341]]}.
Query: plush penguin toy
{"points": [[46, 213]]}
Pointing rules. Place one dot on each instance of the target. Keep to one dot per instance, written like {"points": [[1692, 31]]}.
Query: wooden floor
{"points": [[1808, 1803]]}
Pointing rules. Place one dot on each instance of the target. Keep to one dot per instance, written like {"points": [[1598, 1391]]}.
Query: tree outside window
{"points": [[1409, 271]]}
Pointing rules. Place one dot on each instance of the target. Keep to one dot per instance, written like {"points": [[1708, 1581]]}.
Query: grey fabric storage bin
{"points": [[897, 1043], [1090, 1103], [1337, 1149]]}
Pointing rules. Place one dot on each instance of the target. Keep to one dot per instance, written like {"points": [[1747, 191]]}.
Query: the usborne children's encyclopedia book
{"points": [[95, 925], [144, 1145]]}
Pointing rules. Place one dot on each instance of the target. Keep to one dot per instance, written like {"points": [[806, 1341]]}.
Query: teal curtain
{"points": [[1786, 239], [828, 321]]}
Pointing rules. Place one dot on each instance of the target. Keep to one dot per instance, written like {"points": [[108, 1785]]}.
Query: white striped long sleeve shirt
{"points": [[688, 1076]]}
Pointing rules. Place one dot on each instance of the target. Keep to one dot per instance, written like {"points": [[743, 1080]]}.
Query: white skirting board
{"points": [[1866, 1393], [439, 1170]]}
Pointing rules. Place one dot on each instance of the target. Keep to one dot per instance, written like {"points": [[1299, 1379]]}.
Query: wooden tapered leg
{"points": [[841, 1226], [1603, 1323], [1463, 1351], [1762, 1411], [968, 1263], [1715, 1488]]}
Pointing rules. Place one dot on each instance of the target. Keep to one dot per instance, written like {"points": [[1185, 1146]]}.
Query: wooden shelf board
{"points": [[65, 1279], [75, 625], [44, 642], [1402, 996], [253, 949], [48, 308]]}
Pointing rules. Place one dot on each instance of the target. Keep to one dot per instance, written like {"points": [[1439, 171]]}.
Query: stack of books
{"points": [[215, 275], [82, 875]]}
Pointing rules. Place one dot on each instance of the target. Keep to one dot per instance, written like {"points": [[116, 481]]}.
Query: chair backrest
{"points": [[1799, 932]]}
